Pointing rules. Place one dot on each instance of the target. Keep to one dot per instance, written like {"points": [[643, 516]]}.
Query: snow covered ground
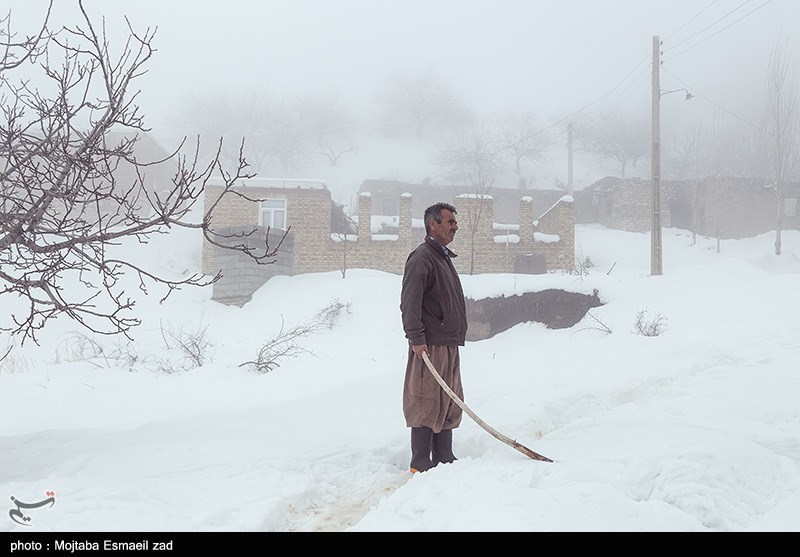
{"points": [[695, 429]]}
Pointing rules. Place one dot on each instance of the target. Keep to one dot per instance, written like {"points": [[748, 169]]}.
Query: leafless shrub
{"points": [[165, 365], [124, 353], [194, 346], [12, 361], [331, 313], [580, 268], [79, 347], [286, 343], [649, 327], [194, 349]]}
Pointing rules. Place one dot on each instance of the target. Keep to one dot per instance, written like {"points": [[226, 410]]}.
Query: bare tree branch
{"points": [[524, 138], [17, 52], [333, 155], [72, 187]]}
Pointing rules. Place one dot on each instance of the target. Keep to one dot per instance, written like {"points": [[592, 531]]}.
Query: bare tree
{"points": [[333, 154], [723, 148], [783, 125], [614, 136], [271, 125], [288, 141], [474, 159], [422, 100], [719, 148], [476, 214], [524, 138], [476, 155], [683, 156], [326, 116], [342, 226], [66, 202], [282, 132], [330, 121]]}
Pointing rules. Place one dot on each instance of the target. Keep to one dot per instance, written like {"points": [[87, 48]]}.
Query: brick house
{"points": [[313, 245]]}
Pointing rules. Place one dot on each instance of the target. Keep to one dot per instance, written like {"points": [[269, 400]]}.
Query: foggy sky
{"points": [[547, 56]]}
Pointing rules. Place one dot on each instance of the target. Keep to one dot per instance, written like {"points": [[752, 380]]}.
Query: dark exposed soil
{"points": [[557, 309]]}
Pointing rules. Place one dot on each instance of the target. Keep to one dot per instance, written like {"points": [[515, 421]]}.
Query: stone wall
{"points": [[629, 206], [728, 208], [716, 206]]}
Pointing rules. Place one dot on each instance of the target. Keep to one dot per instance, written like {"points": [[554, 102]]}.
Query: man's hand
{"points": [[418, 349]]}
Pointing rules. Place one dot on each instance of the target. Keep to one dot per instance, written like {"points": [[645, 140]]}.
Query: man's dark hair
{"points": [[435, 212]]}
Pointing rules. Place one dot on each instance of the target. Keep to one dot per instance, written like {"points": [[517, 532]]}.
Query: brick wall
{"points": [[314, 249], [308, 216]]}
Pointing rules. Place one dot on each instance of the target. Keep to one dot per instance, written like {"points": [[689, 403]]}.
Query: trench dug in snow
{"points": [[558, 309]]}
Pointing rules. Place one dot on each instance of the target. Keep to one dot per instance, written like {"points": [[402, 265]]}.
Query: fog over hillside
{"points": [[316, 88]]}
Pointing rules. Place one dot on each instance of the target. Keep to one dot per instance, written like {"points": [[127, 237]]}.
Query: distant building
{"points": [[716, 206]]}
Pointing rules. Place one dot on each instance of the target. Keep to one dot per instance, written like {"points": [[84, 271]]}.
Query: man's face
{"points": [[445, 231]]}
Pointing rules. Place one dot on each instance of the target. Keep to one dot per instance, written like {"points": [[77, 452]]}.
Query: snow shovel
{"points": [[508, 441]]}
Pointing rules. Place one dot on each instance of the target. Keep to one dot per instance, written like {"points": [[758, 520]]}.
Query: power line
{"points": [[565, 118], [589, 104], [692, 19], [643, 77], [737, 8], [637, 82], [728, 112], [718, 32]]}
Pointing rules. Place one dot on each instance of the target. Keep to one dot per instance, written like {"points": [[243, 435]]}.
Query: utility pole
{"points": [[655, 232], [569, 159]]}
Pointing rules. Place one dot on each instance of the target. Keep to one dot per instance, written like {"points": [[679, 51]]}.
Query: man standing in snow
{"points": [[435, 321]]}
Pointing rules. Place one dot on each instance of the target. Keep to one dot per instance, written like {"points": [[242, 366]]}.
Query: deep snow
{"points": [[695, 429]]}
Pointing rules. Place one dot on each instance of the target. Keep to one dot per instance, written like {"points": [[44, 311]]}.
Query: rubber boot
{"points": [[442, 447], [421, 449]]}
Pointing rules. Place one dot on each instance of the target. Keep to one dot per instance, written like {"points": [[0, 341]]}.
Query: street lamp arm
{"points": [[689, 96]]}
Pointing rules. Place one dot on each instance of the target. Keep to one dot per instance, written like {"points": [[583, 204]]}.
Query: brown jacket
{"points": [[432, 300]]}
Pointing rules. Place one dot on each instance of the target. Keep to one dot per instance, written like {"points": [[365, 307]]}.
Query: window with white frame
{"points": [[273, 214]]}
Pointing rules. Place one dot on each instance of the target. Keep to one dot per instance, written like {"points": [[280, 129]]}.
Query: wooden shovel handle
{"points": [[507, 440]]}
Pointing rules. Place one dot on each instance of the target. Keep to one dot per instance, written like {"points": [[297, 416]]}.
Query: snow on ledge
{"points": [[546, 238], [278, 183], [473, 196]]}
